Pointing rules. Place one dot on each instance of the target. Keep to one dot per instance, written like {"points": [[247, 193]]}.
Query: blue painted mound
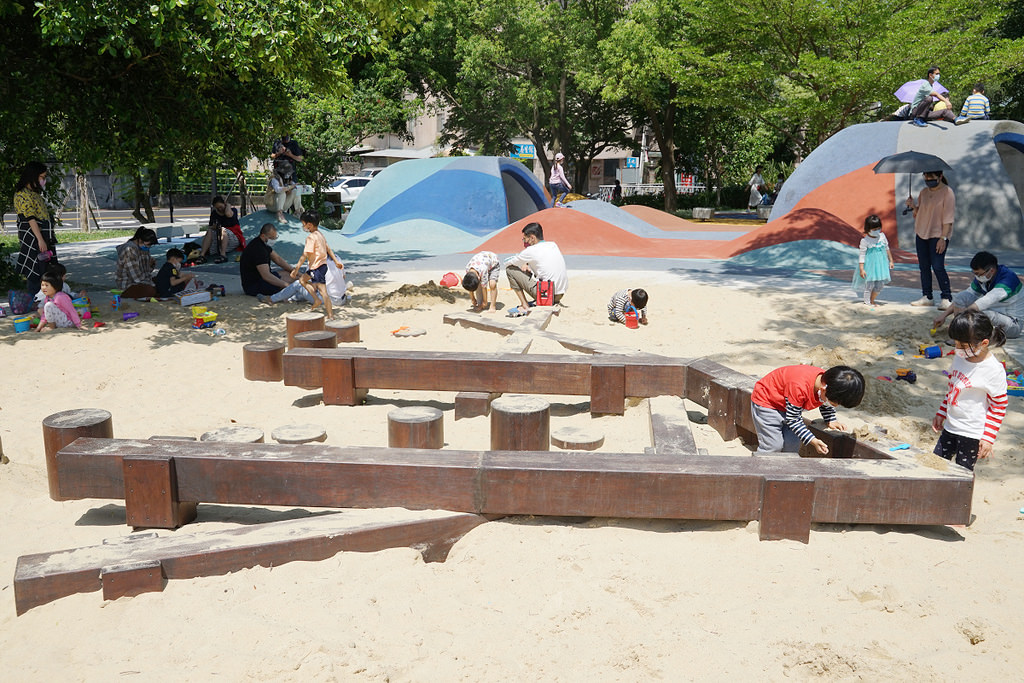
{"points": [[473, 194], [414, 238], [802, 255]]}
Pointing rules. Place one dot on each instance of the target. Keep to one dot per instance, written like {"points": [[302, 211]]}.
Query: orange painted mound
{"points": [[578, 233]]}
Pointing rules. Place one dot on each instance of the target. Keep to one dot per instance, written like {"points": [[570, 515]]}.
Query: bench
{"points": [[169, 231], [608, 379], [142, 563]]}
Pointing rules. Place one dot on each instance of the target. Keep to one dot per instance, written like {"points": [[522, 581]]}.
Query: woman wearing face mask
{"points": [[135, 266], [36, 243], [933, 224]]}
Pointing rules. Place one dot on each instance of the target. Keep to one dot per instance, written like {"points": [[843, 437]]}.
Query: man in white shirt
{"points": [[540, 260]]}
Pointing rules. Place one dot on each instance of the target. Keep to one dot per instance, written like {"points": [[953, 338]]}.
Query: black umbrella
{"points": [[911, 162]]}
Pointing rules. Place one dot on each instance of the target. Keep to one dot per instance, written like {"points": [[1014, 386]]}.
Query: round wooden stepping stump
{"points": [[520, 423], [261, 361], [577, 438], [415, 427], [316, 339], [307, 321], [303, 433], [62, 428], [345, 330], [234, 434]]}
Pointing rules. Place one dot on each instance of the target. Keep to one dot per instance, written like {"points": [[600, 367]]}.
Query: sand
{"points": [[521, 598]]}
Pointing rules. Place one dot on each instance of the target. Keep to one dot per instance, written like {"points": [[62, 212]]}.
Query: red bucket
{"points": [[631, 318]]}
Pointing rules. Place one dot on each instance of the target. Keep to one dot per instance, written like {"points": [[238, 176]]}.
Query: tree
{"points": [[329, 125], [808, 68], [131, 83], [509, 68]]}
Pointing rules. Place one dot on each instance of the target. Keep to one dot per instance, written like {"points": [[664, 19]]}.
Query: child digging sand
{"points": [[484, 267], [874, 263], [316, 252], [637, 298], [170, 280], [975, 404], [780, 398]]}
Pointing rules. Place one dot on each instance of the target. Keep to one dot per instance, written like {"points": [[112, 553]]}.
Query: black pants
{"points": [[959, 449], [929, 261]]}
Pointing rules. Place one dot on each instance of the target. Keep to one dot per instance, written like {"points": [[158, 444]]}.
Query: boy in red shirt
{"points": [[780, 398]]}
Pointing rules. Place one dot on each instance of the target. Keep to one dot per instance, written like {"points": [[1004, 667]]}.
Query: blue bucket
{"points": [[23, 324]]}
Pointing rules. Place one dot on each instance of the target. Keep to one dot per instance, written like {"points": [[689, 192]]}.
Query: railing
{"points": [[604, 192]]}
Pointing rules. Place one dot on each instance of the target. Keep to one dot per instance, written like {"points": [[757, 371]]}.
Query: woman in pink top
{"points": [[933, 223], [559, 183]]}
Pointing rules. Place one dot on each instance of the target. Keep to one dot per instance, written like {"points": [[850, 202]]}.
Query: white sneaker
{"points": [[923, 301], [944, 304]]}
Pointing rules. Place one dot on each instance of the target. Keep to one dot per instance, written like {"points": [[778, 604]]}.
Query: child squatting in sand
{"points": [[316, 252], [57, 310], [621, 300], [780, 398]]}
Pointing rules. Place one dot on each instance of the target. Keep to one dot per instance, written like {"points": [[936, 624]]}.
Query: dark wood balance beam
{"points": [[850, 491], [608, 379], [142, 563]]}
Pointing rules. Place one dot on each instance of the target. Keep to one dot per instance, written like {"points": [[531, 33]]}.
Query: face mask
{"points": [[271, 243], [42, 183], [144, 247], [931, 183], [936, 77], [982, 278], [874, 233]]}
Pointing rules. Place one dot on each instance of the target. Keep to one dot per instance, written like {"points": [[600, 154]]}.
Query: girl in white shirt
{"points": [[975, 403]]}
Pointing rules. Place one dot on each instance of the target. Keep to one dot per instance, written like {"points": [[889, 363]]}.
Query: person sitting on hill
{"points": [[224, 233]]}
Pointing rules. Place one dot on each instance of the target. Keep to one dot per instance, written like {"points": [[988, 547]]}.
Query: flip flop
{"points": [[517, 312]]}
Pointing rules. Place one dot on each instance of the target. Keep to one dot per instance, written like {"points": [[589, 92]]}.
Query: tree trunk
{"points": [[243, 194], [142, 202], [663, 124]]}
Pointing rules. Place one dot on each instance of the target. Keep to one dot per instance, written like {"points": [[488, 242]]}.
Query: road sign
{"points": [[632, 162]]}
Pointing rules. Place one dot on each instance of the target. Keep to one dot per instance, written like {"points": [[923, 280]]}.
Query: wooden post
{"points": [[345, 330], [520, 423], [607, 389], [316, 339], [234, 434], [302, 322], [473, 403], [571, 438], [416, 427], [151, 493], [261, 361], [786, 505], [299, 433], [62, 428]]}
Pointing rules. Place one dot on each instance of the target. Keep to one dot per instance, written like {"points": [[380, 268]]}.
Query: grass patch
{"points": [[11, 240]]}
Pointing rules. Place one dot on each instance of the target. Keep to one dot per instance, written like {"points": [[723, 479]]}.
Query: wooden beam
{"points": [[899, 491], [134, 562], [670, 427]]}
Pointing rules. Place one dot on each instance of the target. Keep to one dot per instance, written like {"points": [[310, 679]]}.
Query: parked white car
{"points": [[345, 190], [369, 172]]}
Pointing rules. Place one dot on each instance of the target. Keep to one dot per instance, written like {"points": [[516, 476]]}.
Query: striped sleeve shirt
{"points": [[795, 420], [975, 401], [620, 301], [975, 107]]}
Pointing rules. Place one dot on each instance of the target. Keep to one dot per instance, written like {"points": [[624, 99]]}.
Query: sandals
{"points": [[220, 259], [517, 312]]}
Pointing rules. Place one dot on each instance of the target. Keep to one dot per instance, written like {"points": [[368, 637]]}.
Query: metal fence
{"points": [[604, 192]]}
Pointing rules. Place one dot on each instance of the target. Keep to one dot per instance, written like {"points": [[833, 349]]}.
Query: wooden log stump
{"points": [[315, 339], [572, 438], [62, 428], [299, 433], [473, 403], [234, 434], [415, 427], [345, 330], [307, 321], [261, 361], [520, 423]]}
